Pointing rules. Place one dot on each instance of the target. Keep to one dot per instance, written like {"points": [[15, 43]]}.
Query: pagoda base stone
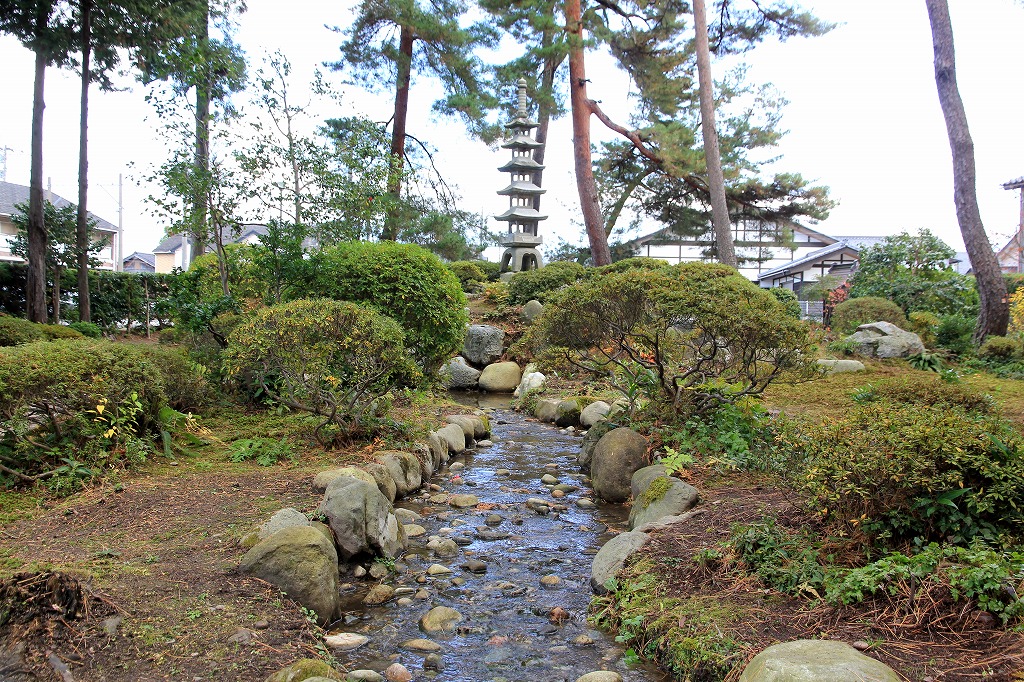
{"points": [[518, 258]]}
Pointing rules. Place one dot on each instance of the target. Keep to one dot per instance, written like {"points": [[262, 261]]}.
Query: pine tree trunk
{"points": [[716, 179], [581, 111], [82, 229], [55, 298], [993, 315], [405, 43], [202, 163], [35, 294], [547, 83]]}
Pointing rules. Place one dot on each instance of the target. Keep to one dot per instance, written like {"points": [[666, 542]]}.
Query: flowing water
{"points": [[507, 631]]}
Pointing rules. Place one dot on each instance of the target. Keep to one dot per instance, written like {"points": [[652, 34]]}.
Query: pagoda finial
{"points": [[521, 112]]}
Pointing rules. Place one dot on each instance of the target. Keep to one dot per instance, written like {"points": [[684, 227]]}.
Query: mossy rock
{"points": [[305, 669]]}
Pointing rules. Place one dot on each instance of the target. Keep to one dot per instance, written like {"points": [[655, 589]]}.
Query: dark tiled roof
{"points": [[147, 258], [11, 194], [169, 245]]}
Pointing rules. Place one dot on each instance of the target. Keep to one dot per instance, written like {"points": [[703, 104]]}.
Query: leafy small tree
{"points": [[61, 247], [693, 338]]}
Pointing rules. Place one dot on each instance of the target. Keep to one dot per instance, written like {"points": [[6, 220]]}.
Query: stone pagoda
{"points": [[522, 217]]}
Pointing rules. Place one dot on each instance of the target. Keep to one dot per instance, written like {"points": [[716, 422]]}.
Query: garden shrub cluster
{"points": [[541, 283], [405, 282], [73, 407], [15, 331], [854, 312], [470, 274], [332, 359]]}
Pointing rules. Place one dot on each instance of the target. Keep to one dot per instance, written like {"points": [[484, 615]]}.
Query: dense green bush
{"points": [[15, 331], [635, 263], [470, 274], [539, 284], [899, 471], [691, 340], [788, 300], [333, 359], [923, 323], [953, 333], [491, 269], [933, 392], [89, 329], [854, 312], [186, 383], [1000, 349], [73, 407], [405, 282]]}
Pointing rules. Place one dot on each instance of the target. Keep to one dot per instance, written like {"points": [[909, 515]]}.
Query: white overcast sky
{"points": [[863, 118]]}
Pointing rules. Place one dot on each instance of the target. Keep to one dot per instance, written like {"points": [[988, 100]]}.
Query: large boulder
{"points": [[438, 450], [546, 410], [815, 660], [590, 441], [530, 381], [325, 478], [454, 436], [617, 457], [457, 374], [500, 377], [381, 478], [282, 519], [593, 413], [532, 310], [642, 478], [484, 344], [612, 557], [885, 340], [830, 366], [404, 468], [567, 413], [303, 564], [663, 496], [426, 459], [474, 426], [361, 519], [305, 669]]}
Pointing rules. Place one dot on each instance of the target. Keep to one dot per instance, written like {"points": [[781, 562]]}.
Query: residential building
{"points": [[139, 262], [176, 251]]}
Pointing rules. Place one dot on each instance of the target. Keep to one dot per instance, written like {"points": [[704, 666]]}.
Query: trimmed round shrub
{"points": [[491, 269], [788, 300], [186, 383], [403, 281], [15, 331], [933, 392], [469, 272], [540, 283], [954, 332], [999, 349], [333, 359], [854, 312], [705, 271], [89, 329], [636, 263], [923, 324], [899, 472]]}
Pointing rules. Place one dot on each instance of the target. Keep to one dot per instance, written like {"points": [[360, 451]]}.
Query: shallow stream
{"points": [[507, 632]]}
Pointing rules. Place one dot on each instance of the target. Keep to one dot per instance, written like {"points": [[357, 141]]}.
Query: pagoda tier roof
{"points": [[521, 213], [522, 122], [521, 163], [522, 142], [521, 187]]}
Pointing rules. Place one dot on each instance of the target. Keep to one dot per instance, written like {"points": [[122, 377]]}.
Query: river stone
{"points": [[404, 468], [446, 548], [413, 530], [421, 644], [664, 496], [325, 478], [600, 676], [532, 310], [455, 437], [438, 569], [530, 381], [567, 413], [590, 442], [438, 450], [282, 519], [421, 451], [382, 479], [361, 519], [396, 672], [463, 501], [593, 413], [643, 477], [440, 619], [458, 375], [364, 676], [484, 344], [885, 340], [379, 594], [406, 515], [814, 660], [474, 426], [548, 479], [840, 366], [299, 561], [618, 455], [303, 670], [612, 557], [345, 641], [500, 377], [546, 410]]}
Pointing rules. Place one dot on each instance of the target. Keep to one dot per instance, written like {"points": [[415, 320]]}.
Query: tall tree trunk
{"points": [[405, 43], [202, 162], [712, 154], [993, 315], [581, 111], [37, 236], [82, 229], [547, 83], [55, 298]]}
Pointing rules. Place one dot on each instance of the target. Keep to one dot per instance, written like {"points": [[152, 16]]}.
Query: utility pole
{"points": [[3, 162], [1018, 184]]}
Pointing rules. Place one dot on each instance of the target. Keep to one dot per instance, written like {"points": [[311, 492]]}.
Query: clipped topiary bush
{"points": [[403, 281], [854, 312], [788, 300], [15, 331], [186, 383], [1000, 349], [334, 359], [953, 332], [539, 284], [923, 324], [470, 274], [636, 263], [89, 329], [899, 471], [933, 392]]}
